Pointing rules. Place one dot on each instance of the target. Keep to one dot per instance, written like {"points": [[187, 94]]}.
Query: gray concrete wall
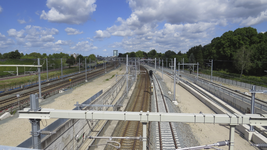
{"points": [[242, 106], [67, 134]]}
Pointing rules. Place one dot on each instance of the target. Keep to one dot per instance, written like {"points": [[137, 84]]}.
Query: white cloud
{"points": [[21, 21], [61, 42], [255, 20], [71, 31], [179, 25], [47, 38], [33, 36], [90, 39], [15, 33], [71, 11], [84, 46], [1, 9], [6, 43], [102, 34], [2, 37], [104, 50]]}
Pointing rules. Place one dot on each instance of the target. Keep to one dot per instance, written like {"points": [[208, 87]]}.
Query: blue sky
{"points": [[100, 26]]}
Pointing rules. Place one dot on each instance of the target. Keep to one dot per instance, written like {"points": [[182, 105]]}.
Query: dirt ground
{"points": [[204, 133], [14, 131]]}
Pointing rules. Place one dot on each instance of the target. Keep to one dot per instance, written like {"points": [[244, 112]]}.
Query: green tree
{"points": [[34, 55], [70, 61], [191, 58], [132, 54], [242, 59], [139, 54], [14, 55], [170, 54], [79, 57], [152, 53], [92, 57]]}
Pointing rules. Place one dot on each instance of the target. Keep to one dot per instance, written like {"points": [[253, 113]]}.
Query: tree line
{"points": [[69, 59], [242, 51]]}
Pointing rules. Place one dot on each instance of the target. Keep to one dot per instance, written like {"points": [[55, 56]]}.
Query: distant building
{"points": [[115, 53]]}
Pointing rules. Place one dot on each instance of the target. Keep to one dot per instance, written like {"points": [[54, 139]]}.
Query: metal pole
{"points": [[39, 79], [105, 65], [253, 90], [90, 63], [211, 68], [135, 69], [79, 65], [61, 69], [183, 64], [144, 135], [36, 136], [193, 69], [232, 137], [197, 70], [166, 62], [178, 71], [159, 63], [139, 65], [85, 65], [155, 65], [162, 69], [17, 71], [46, 69], [174, 79], [127, 82]]}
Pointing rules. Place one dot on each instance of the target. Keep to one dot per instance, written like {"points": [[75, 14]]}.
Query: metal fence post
{"points": [[197, 70], [79, 65], [166, 62], [211, 68], [47, 69], [162, 69], [85, 71], [39, 79], [36, 136], [105, 65], [155, 65], [253, 90], [183, 64], [90, 63], [135, 69], [61, 69], [174, 79], [127, 82]]}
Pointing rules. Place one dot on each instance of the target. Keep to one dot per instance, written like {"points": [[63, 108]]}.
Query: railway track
{"points": [[12, 91], [139, 101], [11, 101], [166, 133]]}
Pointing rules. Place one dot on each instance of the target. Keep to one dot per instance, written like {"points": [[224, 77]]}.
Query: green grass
{"points": [[34, 78], [110, 77], [56, 64], [256, 80]]}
